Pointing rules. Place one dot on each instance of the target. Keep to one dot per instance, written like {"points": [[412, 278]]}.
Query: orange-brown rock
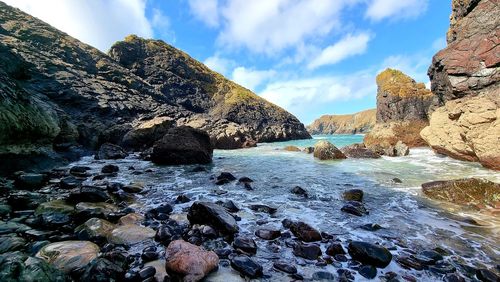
{"points": [[361, 122], [190, 260]]}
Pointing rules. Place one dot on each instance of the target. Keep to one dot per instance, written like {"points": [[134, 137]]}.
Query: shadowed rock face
{"points": [[465, 79], [361, 122]]}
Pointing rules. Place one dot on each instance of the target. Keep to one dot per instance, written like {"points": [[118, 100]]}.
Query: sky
{"points": [[311, 57]]}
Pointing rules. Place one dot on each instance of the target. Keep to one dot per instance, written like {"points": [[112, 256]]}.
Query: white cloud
{"points": [[206, 11], [395, 9], [218, 64], [251, 78], [95, 22], [348, 46]]}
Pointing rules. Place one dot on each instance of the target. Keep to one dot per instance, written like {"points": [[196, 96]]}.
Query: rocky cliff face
{"points": [[60, 97], [465, 80], [361, 122], [402, 106]]}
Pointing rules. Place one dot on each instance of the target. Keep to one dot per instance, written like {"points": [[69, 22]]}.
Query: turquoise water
{"points": [[410, 222]]}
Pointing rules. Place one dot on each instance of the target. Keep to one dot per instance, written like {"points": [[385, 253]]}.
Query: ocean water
{"points": [[410, 223]]}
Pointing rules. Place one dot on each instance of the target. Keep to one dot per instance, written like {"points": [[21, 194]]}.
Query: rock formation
{"points": [[402, 106], [465, 80], [61, 98], [361, 122]]}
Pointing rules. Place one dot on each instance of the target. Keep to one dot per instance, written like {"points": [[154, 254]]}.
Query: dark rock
{"points": [[453, 277], [370, 254], [30, 181], [297, 190], [55, 213], [267, 233], [102, 270], [11, 243], [335, 249], [285, 266], [429, 257], [5, 210], [69, 182], [226, 175], [247, 245], [397, 180], [133, 188], [353, 195], [442, 268], [263, 208], [245, 179], [88, 194], [303, 231], [110, 151], [213, 215], [487, 275], [247, 186], [147, 272], [110, 168], [230, 206], [355, 208], [359, 151], [182, 199], [246, 266], [183, 145], [371, 227], [24, 200], [79, 171], [307, 251], [322, 276], [409, 262], [308, 150], [368, 271]]}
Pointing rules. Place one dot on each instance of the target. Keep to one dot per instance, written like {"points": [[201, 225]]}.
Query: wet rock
{"points": [[24, 200], [88, 194], [303, 231], [224, 178], [353, 195], [163, 235], [246, 266], [325, 150], [69, 255], [354, 208], [130, 234], [368, 271], [94, 229], [149, 254], [245, 179], [442, 268], [463, 191], [16, 266], [263, 208], [429, 257], [147, 272], [487, 275], [397, 180], [308, 150], [267, 233], [190, 260], [79, 171], [55, 213], [370, 254], [183, 145], [247, 186], [85, 210], [230, 206], [335, 249], [102, 270], [292, 149], [30, 181], [109, 151], [213, 215], [11, 243], [182, 199], [409, 262], [110, 168], [359, 151], [133, 188], [453, 277], [285, 266], [69, 182], [297, 190], [5, 210], [12, 227], [131, 218], [161, 272], [245, 244], [322, 276], [161, 212], [371, 227], [307, 251]]}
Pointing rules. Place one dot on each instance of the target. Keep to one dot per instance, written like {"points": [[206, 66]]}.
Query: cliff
{"points": [[465, 120], [62, 98], [361, 122], [402, 106]]}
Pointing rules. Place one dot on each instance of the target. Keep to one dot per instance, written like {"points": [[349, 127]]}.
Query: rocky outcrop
{"points": [[465, 78], [402, 106], [243, 118], [60, 98], [361, 122], [325, 150]]}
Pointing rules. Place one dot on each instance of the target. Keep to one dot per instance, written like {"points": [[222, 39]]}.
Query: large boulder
{"points": [[146, 133], [69, 255], [213, 215], [190, 260], [470, 191], [361, 122], [325, 150], [183, 145]]}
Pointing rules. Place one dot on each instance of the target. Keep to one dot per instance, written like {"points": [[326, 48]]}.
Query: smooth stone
{"points": [[161, 272], [130, 234], [368, 271], [335, 249], [88, 194], [325, 150], [307, 251], [69, 255], [263, 208], [11, 243], [353, 195], [245, 179], [88, 210], [94, 229], [297, 190], [131, 218], [322, 276], [246, 266], [147, 271], [247, 245], [56, 212], [5, 209], [79, 171], [305, 232], [267, 233], [133, 188], [69, 182], [101, 270], [30, 181], [110, 168], [213, 215], [354, 208], [190, 260], [370, 254], [285, 266]]}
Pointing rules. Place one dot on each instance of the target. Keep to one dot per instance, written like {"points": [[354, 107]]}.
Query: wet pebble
{"points": [[307, 251], [246, 266], [245, 244], [285, 266]]}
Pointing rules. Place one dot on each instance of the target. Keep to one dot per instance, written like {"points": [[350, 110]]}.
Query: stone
{"points": [[133, 188], [335, 248], [297, 190], [245, 179], [292, 149], [85, 210], [55, 213], [370, 254], [230, 206], [30, 181], [354, 208], [304, 231], [131, 218], [325, 150], [109, 151], [69, 182], [307, 251], [88, 194], [130, 234], [246, 266], [487, 275], [322, 276], [285, 266], [69, 255], [263, 208], [245, 244], [110, 168], [308, 150], [213, 215], [147, 272], [183, 145], [94, 229], [12, 227], [353, 195], [268, 233], [146, 133], [368, 271], [361, 122], [102, 270], [25, 200], [471, 191], [359, 151], [11, 244], [161, 272], [79, 171], [5, 210], [190, 260]]}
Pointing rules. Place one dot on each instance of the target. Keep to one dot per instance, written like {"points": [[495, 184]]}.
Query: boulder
{"points": [[88, 194], [335, 248], [146, 133], [297, 190], [354, 208], [11, 244], [30, 180], [183, 145], [69, 255], [130, 234], [213, 215], [109, 151], [94, 229], [305, 232], [307, 251], [470, 191], [246, 266], [245, 244], [86, 210], [190, 260], [110, 168], [370, 254], [353, 195], [325, 150], [55, 213], [285, 266], [359, 151]]}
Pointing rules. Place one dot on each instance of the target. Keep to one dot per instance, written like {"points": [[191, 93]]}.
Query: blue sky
{"points": [[312, 57]]}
